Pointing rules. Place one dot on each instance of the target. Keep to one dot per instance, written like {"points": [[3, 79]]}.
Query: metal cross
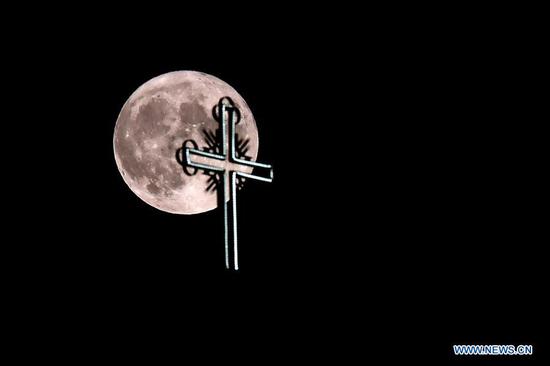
{"points": [[228, 113]]}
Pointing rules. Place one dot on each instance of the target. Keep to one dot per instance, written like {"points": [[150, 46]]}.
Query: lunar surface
{"points": [[154, 123]]}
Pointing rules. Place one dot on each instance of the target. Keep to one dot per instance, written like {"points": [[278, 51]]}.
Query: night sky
{"points": [[406, 208]]}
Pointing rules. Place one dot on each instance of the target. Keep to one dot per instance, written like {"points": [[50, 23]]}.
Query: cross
{"points": [[230, 168]]}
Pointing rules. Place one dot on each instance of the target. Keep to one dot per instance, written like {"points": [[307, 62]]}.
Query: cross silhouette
{"points": [[230, 167]]}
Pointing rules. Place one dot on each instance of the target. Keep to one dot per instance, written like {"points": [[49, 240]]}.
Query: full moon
{"points": [[154, 123]]}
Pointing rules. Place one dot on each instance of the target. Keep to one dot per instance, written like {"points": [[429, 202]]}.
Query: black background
{"points": [[405, 215]]}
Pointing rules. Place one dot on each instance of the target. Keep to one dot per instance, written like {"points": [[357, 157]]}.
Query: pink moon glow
{"points": [[153, 124]]}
